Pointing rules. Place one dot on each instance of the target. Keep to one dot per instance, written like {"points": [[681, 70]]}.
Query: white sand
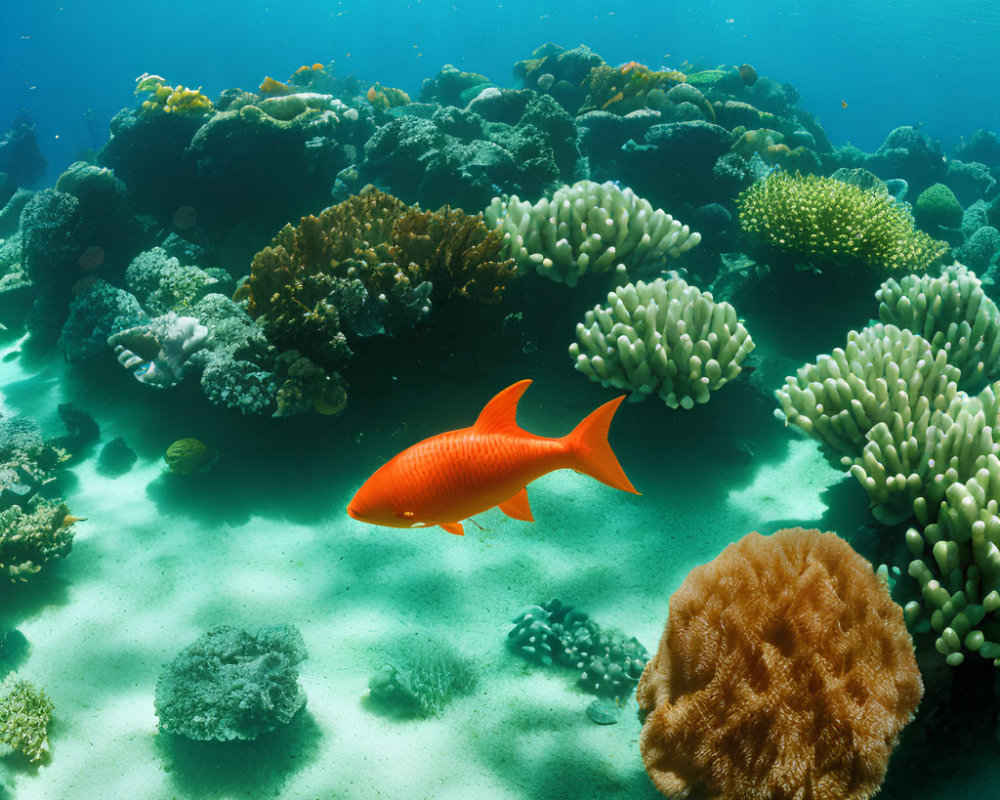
{"points": [[159, 560]]}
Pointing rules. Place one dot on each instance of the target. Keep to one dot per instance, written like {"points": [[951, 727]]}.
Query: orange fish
{"points": [[455, 475]]}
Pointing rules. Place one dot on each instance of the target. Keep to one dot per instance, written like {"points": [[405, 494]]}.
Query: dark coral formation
{"points": [[369, 265]]}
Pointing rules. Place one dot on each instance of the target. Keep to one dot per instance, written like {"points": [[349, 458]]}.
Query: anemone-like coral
{"points": [[586, 228], [417, 677], [785, 670], [662, 337], [881, 375], [30, 538], [823, 218], [953, 313], [25, 712]]}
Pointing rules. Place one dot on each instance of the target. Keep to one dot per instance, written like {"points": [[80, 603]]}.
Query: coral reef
{"points": [[823, 218], [165, 99], [785, 670], [664, 337], [606, 662], [25, 712], [32, 536], [586, 228], [97, 311], [232, 684], [418, 677]]}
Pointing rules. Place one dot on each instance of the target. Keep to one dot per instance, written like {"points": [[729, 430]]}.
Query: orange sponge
{"points": [[785, 673]]}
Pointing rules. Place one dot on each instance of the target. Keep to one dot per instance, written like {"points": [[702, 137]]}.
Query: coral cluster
{"points": [[32, 536], [814, 216], [232, 684], [785, 670], [165, 99], [607, 663], [25, 712], [953, 313], [891, 408], [418, 677], [662, 337], [368, 265], [586, 228], [629, 87]]}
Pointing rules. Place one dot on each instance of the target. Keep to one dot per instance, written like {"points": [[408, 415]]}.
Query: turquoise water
{"points": [[216, 328]]}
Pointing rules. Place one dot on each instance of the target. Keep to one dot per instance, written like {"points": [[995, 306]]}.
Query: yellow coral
{"points": [[170, 99]]}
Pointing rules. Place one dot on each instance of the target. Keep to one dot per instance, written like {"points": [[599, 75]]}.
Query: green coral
{"points": [[30, 538], [190, 455], [588, 227], [953, 313], [937, 207], [665, 337], [882, 373], [25, 712], [829, 219], [418, 677]]}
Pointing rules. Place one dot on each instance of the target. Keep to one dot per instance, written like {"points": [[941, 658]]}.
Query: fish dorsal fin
{"points": [[517, 507], [453, 527], [499, 415]]}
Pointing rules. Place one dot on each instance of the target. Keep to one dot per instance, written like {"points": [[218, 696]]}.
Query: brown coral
{"points": [[785, 672], [370, 255]]}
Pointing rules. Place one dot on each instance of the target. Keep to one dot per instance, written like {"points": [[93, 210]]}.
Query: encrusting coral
{"points": [[785, 671], [663, 337], [815, 216], [25, 712], [232, 684], [588, 227]]}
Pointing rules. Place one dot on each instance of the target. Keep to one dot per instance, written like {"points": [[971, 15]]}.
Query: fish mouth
{"points": [[352, 512]]}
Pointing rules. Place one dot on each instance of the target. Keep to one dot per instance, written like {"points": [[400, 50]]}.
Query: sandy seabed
{"points": [[263, 539]]}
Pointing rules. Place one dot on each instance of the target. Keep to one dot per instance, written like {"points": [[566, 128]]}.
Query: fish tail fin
{"points": [[590, 451]]}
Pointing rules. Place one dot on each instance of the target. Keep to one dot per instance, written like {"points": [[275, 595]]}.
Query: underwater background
{"points": [[251, 251]]}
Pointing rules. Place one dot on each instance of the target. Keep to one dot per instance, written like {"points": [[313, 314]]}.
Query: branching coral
{"points": [[25, 712], [664, 337], [829, 219], [588, 227], [30, 538], [785, 670]]}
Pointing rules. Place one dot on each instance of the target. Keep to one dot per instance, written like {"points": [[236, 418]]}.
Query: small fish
{"points": [[843, 104], [455, 475]]}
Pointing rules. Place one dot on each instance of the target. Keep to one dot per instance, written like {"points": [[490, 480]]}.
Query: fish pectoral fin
{"points": [[453, 527], [518, 507]]}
